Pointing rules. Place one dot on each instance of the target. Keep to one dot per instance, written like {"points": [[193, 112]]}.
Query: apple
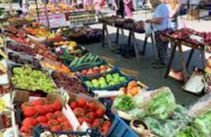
{"points": [[89, 72], [103, 68], [84, 72], [96, 69]]}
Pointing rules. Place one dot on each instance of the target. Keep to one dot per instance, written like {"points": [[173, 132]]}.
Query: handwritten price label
{"points": [[56, 20]]}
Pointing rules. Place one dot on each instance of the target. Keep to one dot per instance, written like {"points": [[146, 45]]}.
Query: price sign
{"points": [[56, 20]]}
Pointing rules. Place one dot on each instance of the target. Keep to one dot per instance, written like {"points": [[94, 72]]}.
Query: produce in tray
{"points": [[70, 84], [29, 79], [94, 70], [86, 60], [45, 113], [39, 32], [106, 81], [132, 89], [91, 112], [47, 64], [21, 60], [72, 44], [23, 49]]}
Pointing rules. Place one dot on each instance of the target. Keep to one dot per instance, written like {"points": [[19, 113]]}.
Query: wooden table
{"points": [[131, 38], [185, 65]]}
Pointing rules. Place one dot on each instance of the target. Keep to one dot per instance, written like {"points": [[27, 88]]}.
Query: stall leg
{"points": [[135, 46], [170, 60], [117, 36], [189, 58], [183, 63], [145, 44], [103, 37]]}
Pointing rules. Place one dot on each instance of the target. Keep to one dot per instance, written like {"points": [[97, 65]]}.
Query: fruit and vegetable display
{"points": [[157, 110], [88, 59], [112, 80], [70, 84], [45, 113], [39, 32], [82, 35], [94, 70], [91, 112], [22, 49], [129, 24], [57, 66], [82, 92], [132, 89], [18, 59], [27, 78], [191, 36]]}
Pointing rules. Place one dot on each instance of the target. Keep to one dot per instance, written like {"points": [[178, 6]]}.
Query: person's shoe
{"points": [[159, 66]]}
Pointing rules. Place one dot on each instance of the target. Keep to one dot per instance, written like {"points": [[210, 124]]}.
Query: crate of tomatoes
{"points": [[49, 112], [90, 113]]}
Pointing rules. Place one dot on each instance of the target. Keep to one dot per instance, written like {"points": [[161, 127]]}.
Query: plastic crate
{"points": [[120, 128]]}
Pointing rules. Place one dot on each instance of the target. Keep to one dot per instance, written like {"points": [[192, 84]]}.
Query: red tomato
{"points": [[38, 102], [97, 123], [73, 105], [41, 110], [56, 106], [29, 121], [42, 119], [79, 112], [81, 102], [100, 112], [25, 129], [87, 120], [53, 122], [58, 114], [61, 119], [56, 128], [29, 111], [26, 104], [107, 123], [91, 106], [91, 115], [80, 120], [50, 116], [105, 129], [48, 108]]}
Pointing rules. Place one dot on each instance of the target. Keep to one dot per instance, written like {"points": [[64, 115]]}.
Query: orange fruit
{"points": [[133, 91], [132, 84]]}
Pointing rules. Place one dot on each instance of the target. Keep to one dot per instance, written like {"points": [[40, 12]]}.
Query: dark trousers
{"points": [[162, 48]]}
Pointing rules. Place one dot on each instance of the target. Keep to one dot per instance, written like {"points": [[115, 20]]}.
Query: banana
{"points": [[2, 105]]}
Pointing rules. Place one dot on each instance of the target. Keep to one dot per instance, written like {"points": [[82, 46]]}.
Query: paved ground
{"points": [[143, 69]]}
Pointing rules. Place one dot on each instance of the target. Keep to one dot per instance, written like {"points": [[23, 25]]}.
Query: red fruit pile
{"points": [[91, 113], [95, 70], [42, 112]]}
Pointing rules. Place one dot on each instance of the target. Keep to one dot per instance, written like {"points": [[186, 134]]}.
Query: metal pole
{"points": [[46, 14], [37, 11]]}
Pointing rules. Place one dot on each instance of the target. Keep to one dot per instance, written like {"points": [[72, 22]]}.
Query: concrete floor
{"points": [[143, 69]]}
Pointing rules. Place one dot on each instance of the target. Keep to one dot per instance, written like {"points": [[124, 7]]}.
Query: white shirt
{"points": [[162, 10]]}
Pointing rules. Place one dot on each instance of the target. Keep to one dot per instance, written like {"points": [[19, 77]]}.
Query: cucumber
{"points": [[95, 59], [74, 62]]}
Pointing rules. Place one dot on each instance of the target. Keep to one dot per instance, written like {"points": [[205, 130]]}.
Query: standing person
{"points": [[128, 4], [174, 7], [119, 7], [160, 23]]}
